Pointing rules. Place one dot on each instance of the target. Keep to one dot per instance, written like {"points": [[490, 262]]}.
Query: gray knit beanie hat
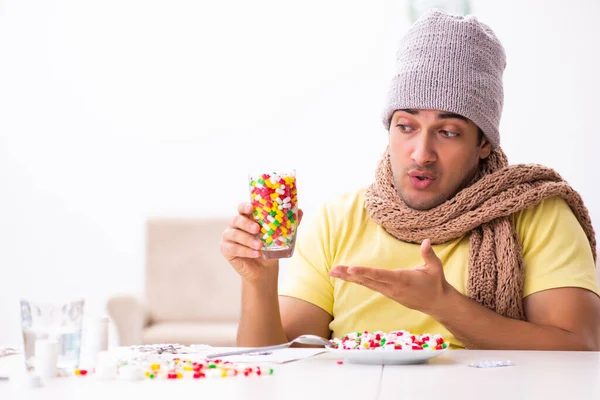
{"points": [[450, 63]]}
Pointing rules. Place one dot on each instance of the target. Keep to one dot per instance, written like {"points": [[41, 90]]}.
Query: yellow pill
{"points": [[262, 201], [263, 230], [279, 219], [269, 240], [188, 368], [284, 230], [224, 374], [288, 224], [274, 196], [272, 226], [147, 374], [179, 375], [155, 366]]}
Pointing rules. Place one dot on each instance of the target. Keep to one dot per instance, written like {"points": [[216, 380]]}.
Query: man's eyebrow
{"points": [[449, 115]]}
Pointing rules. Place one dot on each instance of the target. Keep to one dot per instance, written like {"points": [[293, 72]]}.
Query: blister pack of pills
{"points": [[491, 363]]}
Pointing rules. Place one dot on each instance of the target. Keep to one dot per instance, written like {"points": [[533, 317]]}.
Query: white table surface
{"points": [[535, 375]]}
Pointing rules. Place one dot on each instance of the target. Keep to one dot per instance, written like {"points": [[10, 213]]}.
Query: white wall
{"points": [[113, 111]]}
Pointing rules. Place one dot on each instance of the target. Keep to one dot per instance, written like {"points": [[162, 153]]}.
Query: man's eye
{"points": [[404, 128], [450, 134]]}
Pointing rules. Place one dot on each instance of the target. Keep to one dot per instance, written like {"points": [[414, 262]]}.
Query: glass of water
{"points": [[58, 321]]}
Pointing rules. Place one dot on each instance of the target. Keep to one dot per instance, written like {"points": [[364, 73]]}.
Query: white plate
{"points": [[392, 357]]}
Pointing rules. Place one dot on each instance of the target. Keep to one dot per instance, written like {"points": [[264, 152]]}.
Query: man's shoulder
{"points": [[343, 210], [547, 218], [334, 219], [556, 250], [346, 205], [552, 207], [348, 199]]}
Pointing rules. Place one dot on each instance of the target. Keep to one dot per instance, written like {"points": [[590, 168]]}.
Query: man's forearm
{"points": [[260, 322], [480, 328]]}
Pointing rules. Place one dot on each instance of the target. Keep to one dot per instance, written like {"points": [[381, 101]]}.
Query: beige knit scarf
{"points": [[483, 209]]}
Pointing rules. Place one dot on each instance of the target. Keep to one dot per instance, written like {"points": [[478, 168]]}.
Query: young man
{"points": [[448, 239]]}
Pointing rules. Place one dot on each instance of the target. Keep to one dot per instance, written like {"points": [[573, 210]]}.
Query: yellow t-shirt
{"points": [[556, 253]]}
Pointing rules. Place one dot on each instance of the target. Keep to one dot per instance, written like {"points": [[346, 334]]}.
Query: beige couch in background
{"points": [[192, 294]]}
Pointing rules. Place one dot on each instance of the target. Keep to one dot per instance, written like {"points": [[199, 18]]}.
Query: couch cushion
{"points": [[187, 278], [188, 333]]}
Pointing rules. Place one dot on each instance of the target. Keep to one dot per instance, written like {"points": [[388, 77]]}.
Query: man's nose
{"points": [[423, 151]]}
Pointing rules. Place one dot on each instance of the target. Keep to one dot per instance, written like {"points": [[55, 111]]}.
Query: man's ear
{"points": [[485, 148]]}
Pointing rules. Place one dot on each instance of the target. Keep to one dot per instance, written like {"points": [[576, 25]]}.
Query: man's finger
{"points": [[428, 254], [245, 208], [232, 250], [376, 274], [378, 286], [245, 224], [242, 237], [339, 271]]}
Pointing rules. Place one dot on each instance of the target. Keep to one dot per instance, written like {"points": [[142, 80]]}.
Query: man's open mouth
{"points": [[421, 180]]}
